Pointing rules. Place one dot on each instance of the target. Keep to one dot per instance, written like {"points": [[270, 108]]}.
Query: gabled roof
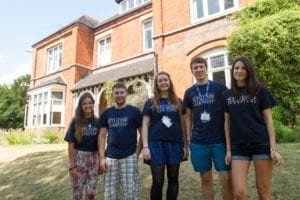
{"points": [[85, 20], [58, 80], [121, 71]]}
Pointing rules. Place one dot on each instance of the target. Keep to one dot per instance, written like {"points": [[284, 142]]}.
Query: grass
{"points": [[44, 175]]}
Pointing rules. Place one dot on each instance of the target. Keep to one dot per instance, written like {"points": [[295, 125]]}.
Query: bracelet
{"points": [[70, 168]]}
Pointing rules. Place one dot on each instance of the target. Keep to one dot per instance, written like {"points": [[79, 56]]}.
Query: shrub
{"points": [[19, 137], [285, 134], [53, 137]]}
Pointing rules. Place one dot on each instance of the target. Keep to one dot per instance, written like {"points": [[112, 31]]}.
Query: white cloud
{"points": [[22, 69]]}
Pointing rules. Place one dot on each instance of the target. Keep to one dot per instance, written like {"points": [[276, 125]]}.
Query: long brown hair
{"points": [[172, 95], [253, 85], [80, 123]]}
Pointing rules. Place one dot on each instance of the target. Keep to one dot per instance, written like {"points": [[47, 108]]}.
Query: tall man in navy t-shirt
{"points": [[119, 161], [205, 120]]}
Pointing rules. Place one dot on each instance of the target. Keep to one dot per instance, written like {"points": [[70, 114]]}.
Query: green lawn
{"points": [[45, 176]]}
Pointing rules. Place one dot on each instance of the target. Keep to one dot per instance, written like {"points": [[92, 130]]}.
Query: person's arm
{"points": [[72, 161], [227, 137], [101, 144], [145, 126], [140, 143], [188, 125], [275, 155], [185, 140]]}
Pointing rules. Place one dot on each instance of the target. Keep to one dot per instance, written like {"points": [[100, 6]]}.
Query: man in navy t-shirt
{"points": [[119, 161], [205, 120]]}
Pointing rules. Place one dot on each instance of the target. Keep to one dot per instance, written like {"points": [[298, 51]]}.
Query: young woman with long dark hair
{"points": [[249, 130], [82, 138]]}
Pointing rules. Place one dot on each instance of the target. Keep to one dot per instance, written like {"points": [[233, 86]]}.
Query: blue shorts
{"points": [[203, 155], [163, 152], [250, 151]]}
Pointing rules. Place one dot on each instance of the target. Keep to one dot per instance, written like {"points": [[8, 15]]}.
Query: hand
{"points": [[276, 158], [74, 173], [228, 158], [103, 165], [146, 153], [100, 171], [185, 153]]}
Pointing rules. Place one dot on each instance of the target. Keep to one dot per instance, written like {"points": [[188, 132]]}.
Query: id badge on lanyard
{"points": [[165, 119], [205, 116]]}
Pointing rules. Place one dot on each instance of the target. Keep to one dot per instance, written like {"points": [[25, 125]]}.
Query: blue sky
{"points": [[25, 22]]}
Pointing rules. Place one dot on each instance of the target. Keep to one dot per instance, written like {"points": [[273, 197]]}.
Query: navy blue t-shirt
{"points": [[157, 130], [122, 125], [247, 122], [211, 132], [89, 141]]}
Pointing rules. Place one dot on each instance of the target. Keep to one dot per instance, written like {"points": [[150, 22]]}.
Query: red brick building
{"points": [[143, 38]]}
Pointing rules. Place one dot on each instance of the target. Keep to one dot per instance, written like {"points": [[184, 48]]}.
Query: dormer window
{"points": [[205, 9], [127, 5]]}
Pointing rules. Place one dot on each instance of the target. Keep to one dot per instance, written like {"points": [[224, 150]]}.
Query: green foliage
{"points": [[53, 137], [19, 137], [285, 134], [12, 103], [268, 33], [108, 91]]}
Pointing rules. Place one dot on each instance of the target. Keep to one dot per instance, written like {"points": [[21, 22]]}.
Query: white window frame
{"points": [[206, 16], [54, 58], [46, 108], [226, 68], [104, 58], [124, 5], [144, 35]]}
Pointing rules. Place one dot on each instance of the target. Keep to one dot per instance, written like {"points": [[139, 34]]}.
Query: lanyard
{"points": [[165, 106], [205, 96]]}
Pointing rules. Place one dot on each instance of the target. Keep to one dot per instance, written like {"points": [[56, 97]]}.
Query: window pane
{"points": [[199, 6], [123, 6], [130, 4], [56, 117], [148, 25], [217, 61], [148, 40], [57, 95], [213, 6], [219, 76], [138, 2], [44, 118], [148, 34], [228, 4], [230, 59]]}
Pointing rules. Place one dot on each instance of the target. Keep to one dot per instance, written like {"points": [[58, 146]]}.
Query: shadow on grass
{"points": [[44, 175], [35, 176]]}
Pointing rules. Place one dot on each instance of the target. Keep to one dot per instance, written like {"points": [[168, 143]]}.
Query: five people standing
{"points": [[169, 126]]}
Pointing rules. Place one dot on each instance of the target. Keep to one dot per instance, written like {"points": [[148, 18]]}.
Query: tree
{"points": [[12, 103], [268, 33]]}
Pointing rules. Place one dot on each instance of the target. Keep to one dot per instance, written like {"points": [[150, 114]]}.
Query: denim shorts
{"points": [[202, 157], [250, 151], [163, 152]]}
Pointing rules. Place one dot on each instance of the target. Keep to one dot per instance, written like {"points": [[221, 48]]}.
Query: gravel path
{"points": [[8, 154]]}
